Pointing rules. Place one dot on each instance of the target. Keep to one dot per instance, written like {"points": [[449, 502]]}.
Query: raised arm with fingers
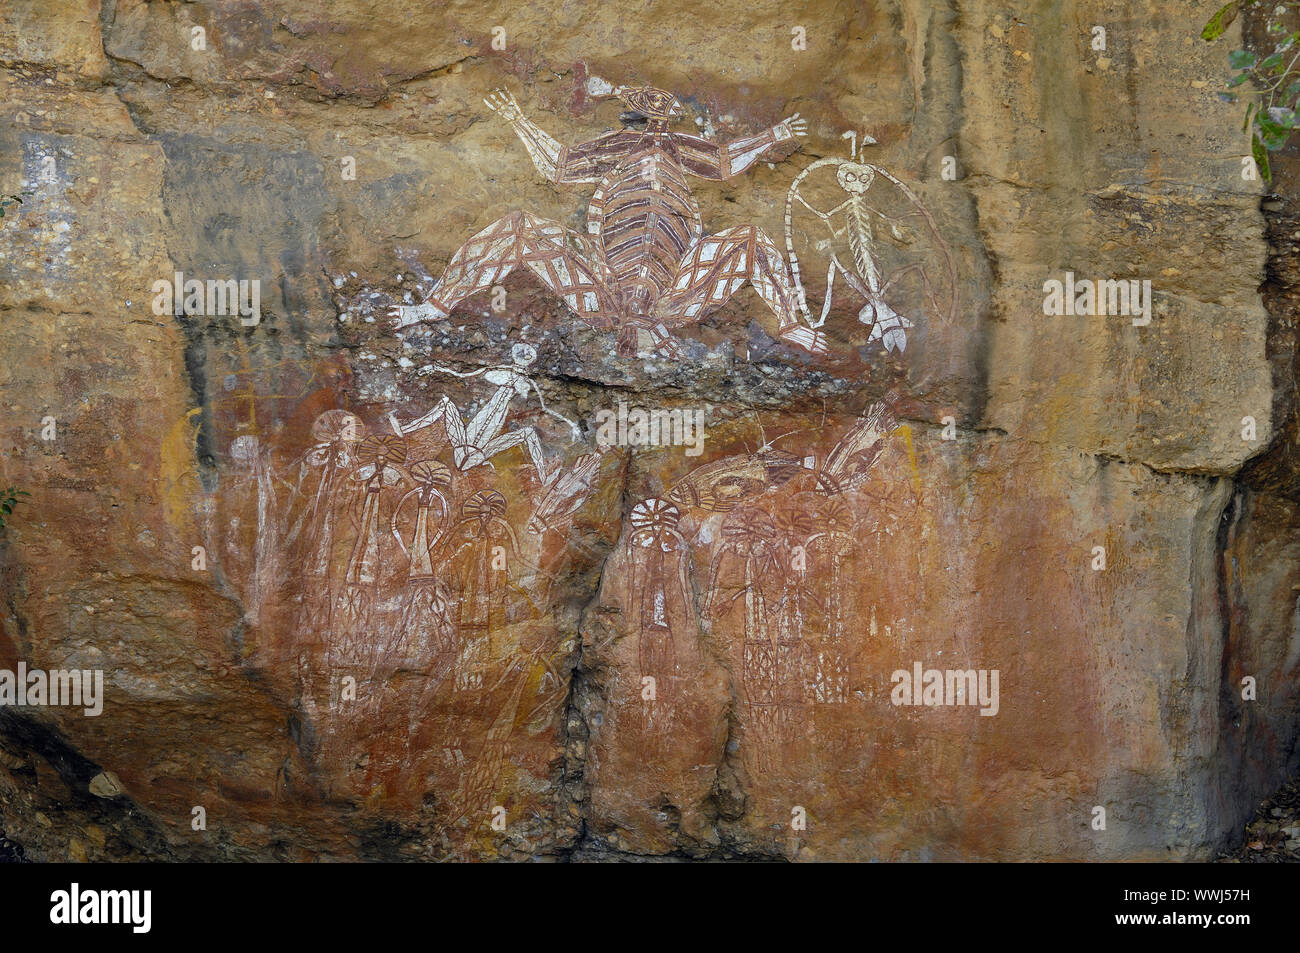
{"points": [[583, 163], [708, 160]]}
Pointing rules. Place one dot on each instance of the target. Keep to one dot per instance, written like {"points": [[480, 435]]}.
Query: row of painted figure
{"points": [[391, 559]]}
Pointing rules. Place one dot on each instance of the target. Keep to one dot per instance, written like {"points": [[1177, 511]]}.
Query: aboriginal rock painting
{"points": [[859, 226], [761, 551], [398, 560], [645, 264], [424, 553]]}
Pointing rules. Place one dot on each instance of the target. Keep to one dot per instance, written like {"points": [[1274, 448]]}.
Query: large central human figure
{"points": [[644, 264]]}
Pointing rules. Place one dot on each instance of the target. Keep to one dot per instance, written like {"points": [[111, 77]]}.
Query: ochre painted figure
{"points": [[864, 226], [476, 441], [645, 263]]}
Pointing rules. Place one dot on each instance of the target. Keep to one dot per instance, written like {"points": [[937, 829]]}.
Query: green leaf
{"points": [[1272, 133], [1260, 155], [1241, 59], [1238, 80], [1221, 21], [1270, 62]]}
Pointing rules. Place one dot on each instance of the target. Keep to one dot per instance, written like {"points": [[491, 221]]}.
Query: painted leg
{"points": [[555, 254], [717, 266], [446, 411], [443, 409], [528, 437]]}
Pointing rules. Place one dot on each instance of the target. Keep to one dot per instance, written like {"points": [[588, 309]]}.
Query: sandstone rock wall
{"points": [[392, 644]]}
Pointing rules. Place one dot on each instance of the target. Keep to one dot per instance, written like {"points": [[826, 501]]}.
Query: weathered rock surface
{"points": [[398, 641]]}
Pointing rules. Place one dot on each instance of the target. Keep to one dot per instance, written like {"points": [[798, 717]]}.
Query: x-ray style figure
{"points": [[659, 572], [381, 457], [793, 596], [336, 435], [475, 442], [253, 466], [864, 226], [829, 548], [479, 554], [426, 616], [645, 263], [748, 544]]}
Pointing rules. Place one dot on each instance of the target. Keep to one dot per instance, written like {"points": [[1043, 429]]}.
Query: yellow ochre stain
{"points": [[906, 431], [178, 474]]}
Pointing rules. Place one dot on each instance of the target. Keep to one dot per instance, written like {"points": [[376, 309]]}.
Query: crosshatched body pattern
{"points": [[645, 263]]}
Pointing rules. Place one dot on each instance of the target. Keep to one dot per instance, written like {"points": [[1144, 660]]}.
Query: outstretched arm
{"points": [[708, 160], [544, 150], [556, 162], [444, 369], [577, 434]]}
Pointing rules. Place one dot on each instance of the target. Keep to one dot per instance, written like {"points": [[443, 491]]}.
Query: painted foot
{"points": [[408, 314], [664, 343], [669, 348], [887, 326], [810, 339]]}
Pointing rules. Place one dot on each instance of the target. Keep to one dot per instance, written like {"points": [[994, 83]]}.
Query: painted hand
{"points": [[792, 128], [503, 103]]}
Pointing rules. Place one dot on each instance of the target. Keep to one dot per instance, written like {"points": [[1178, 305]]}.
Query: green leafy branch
{"points": [[8, 500], [1271, 112]]}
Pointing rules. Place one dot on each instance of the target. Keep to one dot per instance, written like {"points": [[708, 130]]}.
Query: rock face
{"points": [[632, 549]]}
